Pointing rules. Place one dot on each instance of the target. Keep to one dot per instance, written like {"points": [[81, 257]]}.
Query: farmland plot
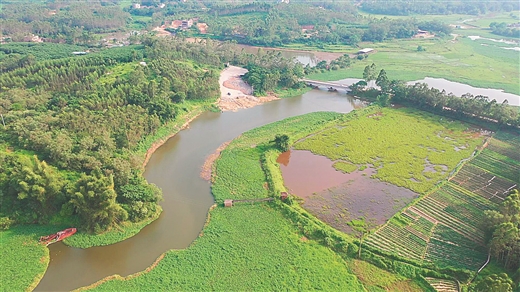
{"points": [[415, 156], [441, 229], [442, 285], [498, 164], [448, 248], [484, 183]]}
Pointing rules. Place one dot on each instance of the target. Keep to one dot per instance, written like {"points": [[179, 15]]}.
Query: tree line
{"points": [[82, 124], [438, 101], [504, 30]]}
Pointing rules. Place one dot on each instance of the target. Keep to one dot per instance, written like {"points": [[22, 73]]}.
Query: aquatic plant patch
{"points": [[409, 148], [23, 259], [258, 254]]}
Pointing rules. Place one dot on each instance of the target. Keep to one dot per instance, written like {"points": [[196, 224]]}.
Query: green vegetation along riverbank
{"points": [[264, 252], [75, 139]]}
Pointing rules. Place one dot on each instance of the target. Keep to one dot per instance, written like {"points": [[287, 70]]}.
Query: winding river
{"points": [[175, 168]]}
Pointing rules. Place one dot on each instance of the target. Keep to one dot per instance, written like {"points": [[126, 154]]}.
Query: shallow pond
{"points": [[338, 198]]}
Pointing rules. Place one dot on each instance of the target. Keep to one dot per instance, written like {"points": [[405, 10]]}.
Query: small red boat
{"points": [[58, 236]]}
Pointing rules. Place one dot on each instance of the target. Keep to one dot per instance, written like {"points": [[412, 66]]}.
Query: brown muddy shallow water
{"points": [[175, 167], [338, 198]]}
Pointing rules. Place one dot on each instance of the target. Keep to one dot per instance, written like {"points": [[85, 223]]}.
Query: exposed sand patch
{"points": [[235, 93], [205, 173]]}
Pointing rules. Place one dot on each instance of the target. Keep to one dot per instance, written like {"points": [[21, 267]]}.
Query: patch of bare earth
{"points": [[205, 173], [235, 93]]}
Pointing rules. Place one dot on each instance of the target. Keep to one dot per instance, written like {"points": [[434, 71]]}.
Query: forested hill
{"points": [[408, 7], [71, 149]]}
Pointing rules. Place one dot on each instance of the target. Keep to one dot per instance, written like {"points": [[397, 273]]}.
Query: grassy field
{"points": [[462, 60], [416, 156], [375, 279], [264, 252], [444, 227]]}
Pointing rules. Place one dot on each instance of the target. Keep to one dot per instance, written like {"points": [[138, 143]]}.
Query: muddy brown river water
{"points": [[175, 168]]}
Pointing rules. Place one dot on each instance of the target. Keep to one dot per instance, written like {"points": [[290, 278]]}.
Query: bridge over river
{"points": [[328, 84]]}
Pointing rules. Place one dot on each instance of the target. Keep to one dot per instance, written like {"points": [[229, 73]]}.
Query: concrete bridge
{"points": [[328, 84]]}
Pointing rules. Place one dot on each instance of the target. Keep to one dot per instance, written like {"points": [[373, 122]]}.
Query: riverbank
{"points": [[151, 143], [207, 167], [265, 252], [236, 94], [268, 251]]}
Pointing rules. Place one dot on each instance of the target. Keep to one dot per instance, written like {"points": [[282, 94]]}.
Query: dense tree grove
{"points": [[503, 227], [73, 22], [84, 116], [282, 24], [270, 71], [408, 7], [257, 23]]}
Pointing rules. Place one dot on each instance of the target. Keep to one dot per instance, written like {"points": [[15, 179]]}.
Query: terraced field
{"points": [[443, 228]]}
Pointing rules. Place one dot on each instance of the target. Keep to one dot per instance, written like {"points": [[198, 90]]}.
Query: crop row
{"points": [[460, 204], [446, 221], [504, 148], [472, 200], [502, 167], [442, 285], [456, 207], [449, 216], [448, 248], [508, 137], [396, 240], [482, 182]]}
